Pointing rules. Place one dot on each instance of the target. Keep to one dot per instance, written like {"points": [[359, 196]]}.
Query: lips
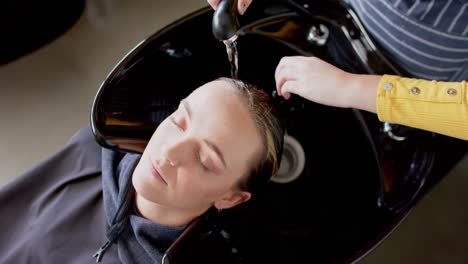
{"points": [[156, 173]]}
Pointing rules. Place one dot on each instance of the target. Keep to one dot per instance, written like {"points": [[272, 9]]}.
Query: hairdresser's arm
{"points": [[241, 5], [430, 105]]}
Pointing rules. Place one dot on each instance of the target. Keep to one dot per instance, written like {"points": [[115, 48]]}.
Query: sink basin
{"points": [[358, 181]]}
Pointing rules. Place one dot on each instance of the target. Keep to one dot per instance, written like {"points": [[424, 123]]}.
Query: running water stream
{"points": [[231, 49]]}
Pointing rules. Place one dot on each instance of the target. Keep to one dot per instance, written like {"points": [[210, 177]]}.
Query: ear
{"points": [[232, 199]]}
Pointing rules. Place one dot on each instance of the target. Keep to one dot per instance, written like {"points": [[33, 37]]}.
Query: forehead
{"points": [[215, 91], [220, 115]]}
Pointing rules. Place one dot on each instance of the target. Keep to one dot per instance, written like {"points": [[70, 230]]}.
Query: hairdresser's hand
{"points": [[323, 83], [241, 5]]}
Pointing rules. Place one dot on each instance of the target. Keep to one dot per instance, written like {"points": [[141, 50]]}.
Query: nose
{"points": [[177, 152], [164, 161]]}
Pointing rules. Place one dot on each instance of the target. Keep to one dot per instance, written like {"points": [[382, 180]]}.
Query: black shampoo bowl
{"points": [[360, 178]]}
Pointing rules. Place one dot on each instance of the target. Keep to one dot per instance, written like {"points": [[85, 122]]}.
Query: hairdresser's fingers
{"points": [[281, 64], [288, 62], [288, 69], [281, 78], [242, 6], [213, 3], [288, 88]]}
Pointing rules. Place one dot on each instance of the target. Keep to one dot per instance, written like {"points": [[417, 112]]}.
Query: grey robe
{"points": [[55, 212]]}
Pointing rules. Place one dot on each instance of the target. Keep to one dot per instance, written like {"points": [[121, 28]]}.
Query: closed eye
{"points": [[197, 153], [199, 159], [176, 124]]}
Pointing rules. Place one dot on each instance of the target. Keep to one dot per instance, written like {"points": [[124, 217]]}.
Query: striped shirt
{"points": [[426, 38]]}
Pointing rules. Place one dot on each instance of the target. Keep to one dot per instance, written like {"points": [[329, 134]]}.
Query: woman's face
{"points": [[197, 156]]}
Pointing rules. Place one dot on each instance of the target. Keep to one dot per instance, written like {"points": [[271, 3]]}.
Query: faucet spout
{"points": [[225, 24]]}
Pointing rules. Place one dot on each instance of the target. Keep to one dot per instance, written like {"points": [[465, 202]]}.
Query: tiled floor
{"points": [[46, 96]]}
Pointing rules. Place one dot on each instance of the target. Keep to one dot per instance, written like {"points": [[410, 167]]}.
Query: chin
{"points": [[138, 184]]}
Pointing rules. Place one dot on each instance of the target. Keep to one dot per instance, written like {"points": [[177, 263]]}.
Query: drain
{"points": [[292, 162]]}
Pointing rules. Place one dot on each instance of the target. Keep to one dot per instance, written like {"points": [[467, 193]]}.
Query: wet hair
{"points": [[269, 125]]}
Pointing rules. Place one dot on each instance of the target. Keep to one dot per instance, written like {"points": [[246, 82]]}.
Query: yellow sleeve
{"points": [[435, 106]]}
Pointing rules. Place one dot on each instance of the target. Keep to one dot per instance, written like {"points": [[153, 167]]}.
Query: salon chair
{"points": [[346, 180]]}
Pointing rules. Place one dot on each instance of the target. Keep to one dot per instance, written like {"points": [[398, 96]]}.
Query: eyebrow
{"points": [[209, 143]]}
